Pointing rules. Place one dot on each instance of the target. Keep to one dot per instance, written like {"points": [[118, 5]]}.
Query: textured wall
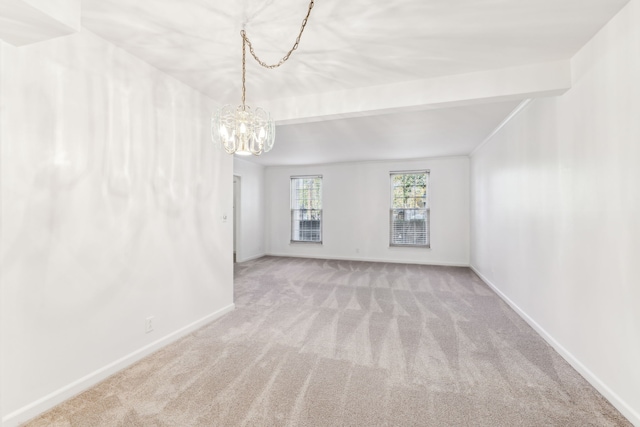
{"points": [[112, 205], [556, 213], [356, 202]]}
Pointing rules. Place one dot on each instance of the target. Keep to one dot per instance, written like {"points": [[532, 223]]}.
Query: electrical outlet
{"points": [[148, 325]]}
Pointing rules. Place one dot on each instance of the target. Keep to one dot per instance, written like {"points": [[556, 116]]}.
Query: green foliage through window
{"points": [[409, 214], [306, 209]]}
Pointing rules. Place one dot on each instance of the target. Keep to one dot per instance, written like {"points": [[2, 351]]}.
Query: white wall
{"points": [[112, 204], [556, 213], [356, 199], [250, 242], [2, 304]]}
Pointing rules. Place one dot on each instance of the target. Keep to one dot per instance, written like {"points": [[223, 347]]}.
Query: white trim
{"points": [[249, 258], [409, 172], [393, 261], [596, 382], [237, 216], [305, 176], [70, 390], [502, 124]]}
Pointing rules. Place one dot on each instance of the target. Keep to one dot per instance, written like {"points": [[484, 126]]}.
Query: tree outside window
{"points": [[409, 213], [306, 209]]}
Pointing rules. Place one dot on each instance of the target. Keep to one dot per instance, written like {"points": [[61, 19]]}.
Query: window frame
{"points": [[319, 211], [426, 210]]}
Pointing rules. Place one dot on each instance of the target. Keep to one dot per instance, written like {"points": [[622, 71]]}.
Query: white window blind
{"points": [[409, 213], [306, 209]]}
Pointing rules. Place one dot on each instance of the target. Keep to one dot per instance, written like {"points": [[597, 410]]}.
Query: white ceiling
{"points": [[418, 134], [352, 46]]}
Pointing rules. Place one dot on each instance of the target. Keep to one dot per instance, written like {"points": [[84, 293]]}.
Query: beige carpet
{"points": [[337, 343]]}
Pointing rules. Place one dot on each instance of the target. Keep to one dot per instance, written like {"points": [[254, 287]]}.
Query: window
{"points": [[409, 214], [306, 209]]}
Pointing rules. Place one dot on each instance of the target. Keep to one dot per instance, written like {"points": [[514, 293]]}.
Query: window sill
{"points": [[303, 242], [410, 246]]}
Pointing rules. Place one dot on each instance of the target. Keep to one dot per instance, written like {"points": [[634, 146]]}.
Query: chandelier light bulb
{"points": [[243, 131]]}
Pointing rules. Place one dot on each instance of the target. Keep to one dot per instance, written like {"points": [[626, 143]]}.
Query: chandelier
{"points": [[242, 130]]}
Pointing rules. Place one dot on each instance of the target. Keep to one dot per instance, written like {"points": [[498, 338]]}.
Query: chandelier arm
{"points": [[284, 59]]}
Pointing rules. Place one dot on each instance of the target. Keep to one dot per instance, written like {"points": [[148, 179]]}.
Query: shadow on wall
{"points": [[97, 164]]}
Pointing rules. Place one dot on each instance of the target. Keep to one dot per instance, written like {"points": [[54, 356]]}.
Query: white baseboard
{"points": [[250, 257], [609, 394], [49, 401], [365, 259]]}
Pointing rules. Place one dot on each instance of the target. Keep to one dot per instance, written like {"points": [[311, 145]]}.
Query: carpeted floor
{"points": [[338, 343]]}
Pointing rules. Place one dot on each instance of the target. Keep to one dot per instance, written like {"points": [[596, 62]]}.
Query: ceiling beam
{"points": [[505, 84]]}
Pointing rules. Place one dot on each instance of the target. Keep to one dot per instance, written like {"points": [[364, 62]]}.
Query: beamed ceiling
{"points": [[370, 80]]}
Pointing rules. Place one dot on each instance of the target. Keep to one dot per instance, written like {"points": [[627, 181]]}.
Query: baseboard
{"points": [[250, 257], [47, 402], [365, 259], [609, 394]]}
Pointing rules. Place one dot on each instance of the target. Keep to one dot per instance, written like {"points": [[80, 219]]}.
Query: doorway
{"points": [[236, 217]]}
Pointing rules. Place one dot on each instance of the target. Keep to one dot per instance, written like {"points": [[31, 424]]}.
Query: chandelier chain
{"points": [[284, 58], [244, 72], [245, 131]]}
